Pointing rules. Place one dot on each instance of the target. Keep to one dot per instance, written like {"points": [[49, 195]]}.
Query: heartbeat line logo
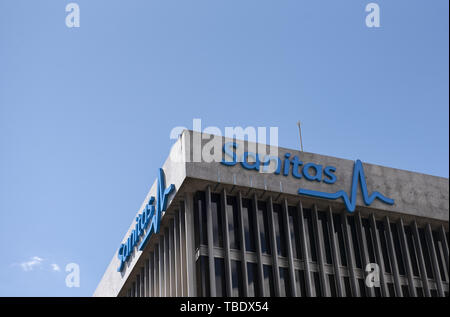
{"points": [[149, 220], [350, 203]]}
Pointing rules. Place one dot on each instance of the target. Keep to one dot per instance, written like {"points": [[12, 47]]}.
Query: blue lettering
{"points": [[121, 256], [318, 172], [150, 215], [295, 164], [266, 163], [227, 149], [287, 164], [329, 172], [250, 166]]}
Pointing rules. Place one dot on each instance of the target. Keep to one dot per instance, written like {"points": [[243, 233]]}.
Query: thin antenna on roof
{"points": [[300, 133]]}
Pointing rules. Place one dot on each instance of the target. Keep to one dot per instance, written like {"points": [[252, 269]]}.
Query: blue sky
{"points": [[85, 113]]}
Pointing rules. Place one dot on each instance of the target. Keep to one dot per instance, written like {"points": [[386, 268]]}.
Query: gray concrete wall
{"points": [[415, 194]]}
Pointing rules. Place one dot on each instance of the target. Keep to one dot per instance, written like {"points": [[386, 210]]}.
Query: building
{"points": [[309, 228]]}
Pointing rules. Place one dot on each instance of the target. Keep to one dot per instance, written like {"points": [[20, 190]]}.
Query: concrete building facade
{"points": [[232, 230]]}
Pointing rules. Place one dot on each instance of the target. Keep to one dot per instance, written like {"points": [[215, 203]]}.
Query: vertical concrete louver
{"points": [[291, 251]]}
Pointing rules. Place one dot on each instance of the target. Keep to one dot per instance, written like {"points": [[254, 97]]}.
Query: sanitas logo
{"points": [[310, 171], [350, 203], [150, 216]]}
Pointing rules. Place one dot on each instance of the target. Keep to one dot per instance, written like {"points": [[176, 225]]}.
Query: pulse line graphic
{"points": [[350, 203]]}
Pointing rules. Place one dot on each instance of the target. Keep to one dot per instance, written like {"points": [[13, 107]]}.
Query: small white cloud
{"points": [[55, 267], [35, 261]]}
